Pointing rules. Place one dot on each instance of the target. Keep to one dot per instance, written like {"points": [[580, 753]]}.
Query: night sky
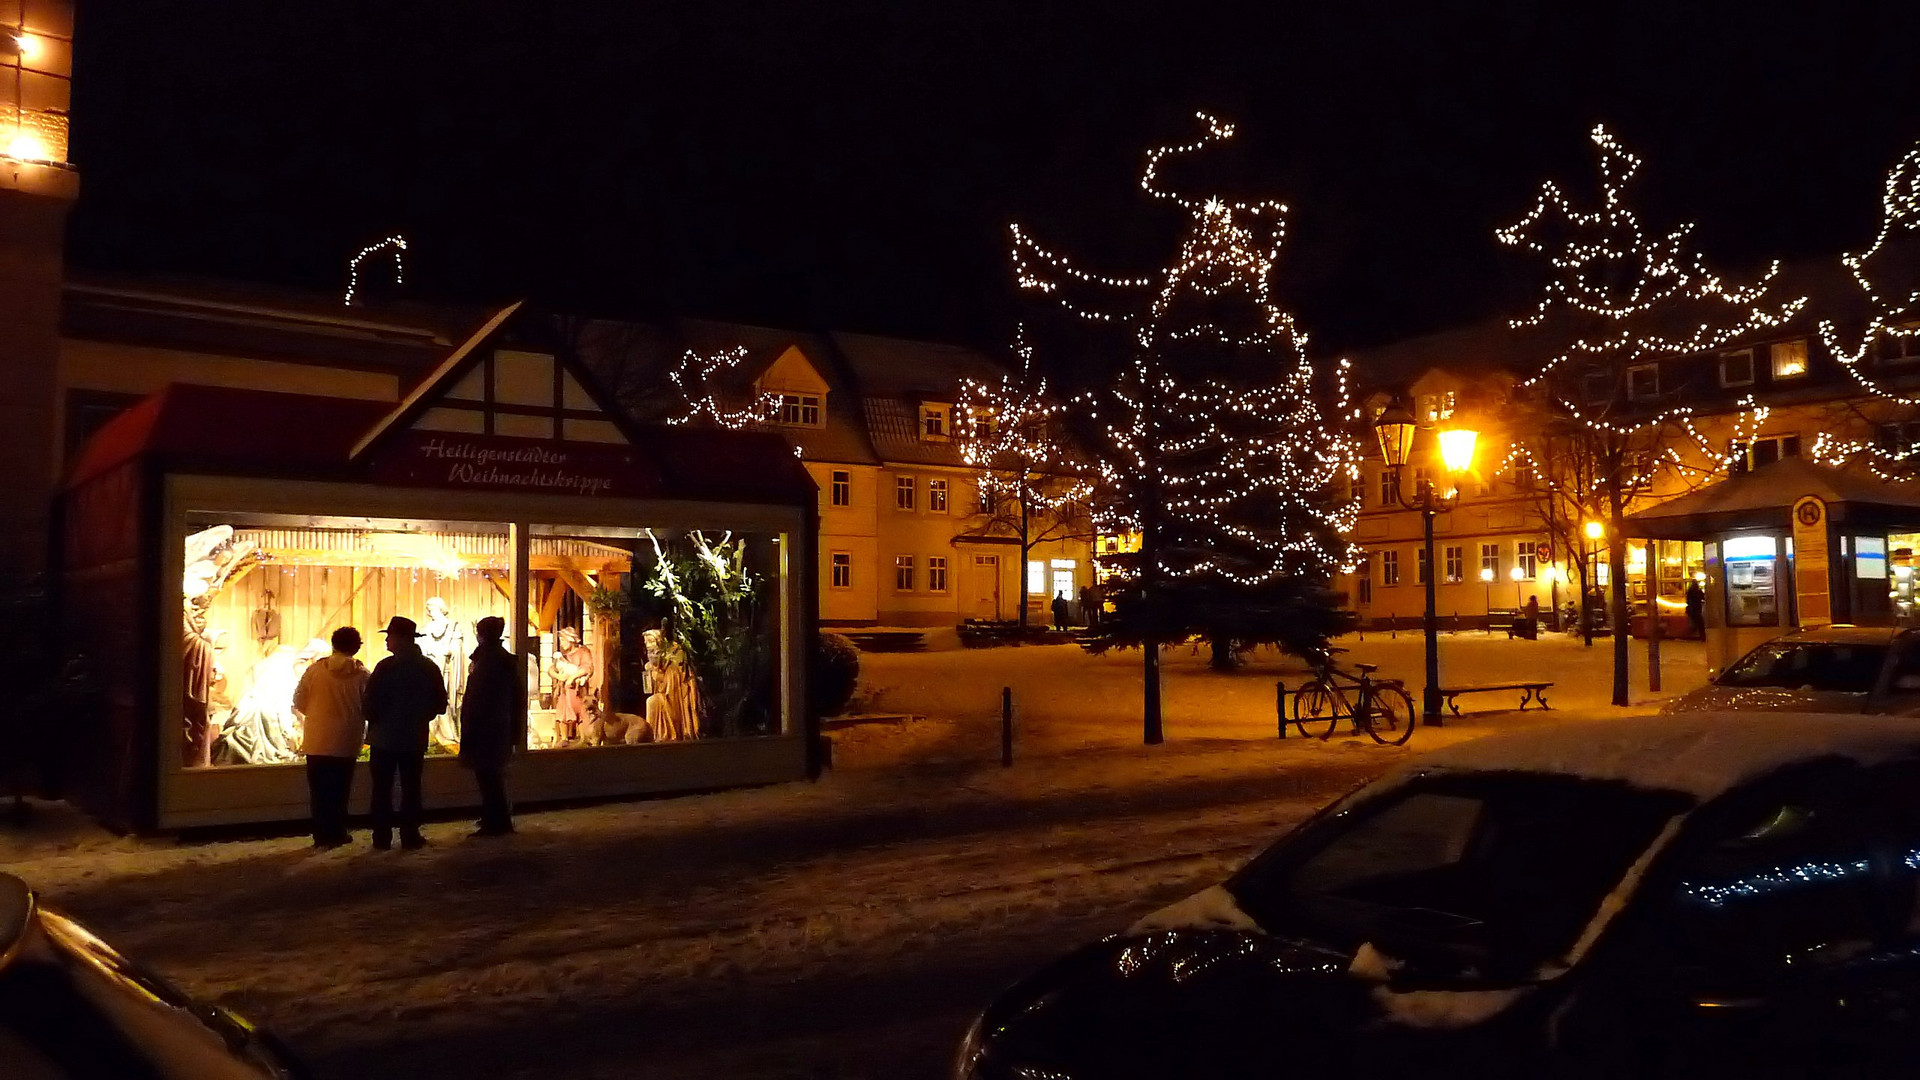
{"points": [[853, 165]]}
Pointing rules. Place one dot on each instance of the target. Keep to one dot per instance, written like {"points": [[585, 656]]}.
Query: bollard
{"points": [[1006, 726], [1280, 704]]}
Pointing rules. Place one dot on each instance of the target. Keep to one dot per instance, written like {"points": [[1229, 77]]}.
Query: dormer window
{"points": [[1790, 359], [935, 420], [800, 410]]}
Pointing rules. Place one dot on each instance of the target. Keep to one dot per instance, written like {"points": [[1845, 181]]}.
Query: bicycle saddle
{"points": [[1367, 669]]}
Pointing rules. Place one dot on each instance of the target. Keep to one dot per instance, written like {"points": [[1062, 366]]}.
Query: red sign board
{"points": [[494, 462], [1544, 551]]}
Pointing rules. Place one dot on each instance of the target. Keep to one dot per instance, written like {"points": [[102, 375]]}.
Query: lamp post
{"points": [[1395, 428], [1595, 533], [1486, 579], [1515, 575]]}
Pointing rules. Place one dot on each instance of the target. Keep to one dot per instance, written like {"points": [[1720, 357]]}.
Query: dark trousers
{"points": [[329, 782], [496, 814], [386, 765]]}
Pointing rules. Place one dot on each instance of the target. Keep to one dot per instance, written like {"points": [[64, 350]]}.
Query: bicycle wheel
{"points": [[1389, 715], [1315, 712]]}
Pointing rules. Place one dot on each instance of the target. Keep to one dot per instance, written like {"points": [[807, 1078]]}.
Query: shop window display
{"points": [[262, 593], [651, 636]]}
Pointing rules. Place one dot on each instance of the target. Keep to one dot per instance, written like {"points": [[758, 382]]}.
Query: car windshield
{"points": [[1476, 876], [1847, 667]]}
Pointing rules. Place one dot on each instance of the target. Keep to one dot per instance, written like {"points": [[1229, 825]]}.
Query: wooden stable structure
{"points": [[503, 485]]}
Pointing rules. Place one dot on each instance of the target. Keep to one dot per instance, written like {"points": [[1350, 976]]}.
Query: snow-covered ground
{"points": [[844, 928]]}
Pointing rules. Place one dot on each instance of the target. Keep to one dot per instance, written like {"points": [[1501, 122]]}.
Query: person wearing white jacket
{"points": [[331, 701]]}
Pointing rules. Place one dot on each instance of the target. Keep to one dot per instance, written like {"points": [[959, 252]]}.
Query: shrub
{"points": [[834, 672]]}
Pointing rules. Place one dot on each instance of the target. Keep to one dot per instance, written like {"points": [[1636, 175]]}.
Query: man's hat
{"points": [[491, 628], [403, 626]]}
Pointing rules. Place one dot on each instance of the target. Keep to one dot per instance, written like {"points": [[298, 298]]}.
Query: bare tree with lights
{"points": [[1011, 433], [1628, 301], [1211, 441]]}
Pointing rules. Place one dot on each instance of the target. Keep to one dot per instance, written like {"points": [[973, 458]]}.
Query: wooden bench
{"points": [[1531, 693]]}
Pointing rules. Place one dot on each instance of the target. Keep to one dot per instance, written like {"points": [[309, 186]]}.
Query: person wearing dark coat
{"points": [[1696, 610], [404, 694], [1060, 611], [489, 715]]}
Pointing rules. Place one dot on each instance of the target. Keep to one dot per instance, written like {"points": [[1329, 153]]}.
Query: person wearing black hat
{"points": [[404, 694], [489, 715]]}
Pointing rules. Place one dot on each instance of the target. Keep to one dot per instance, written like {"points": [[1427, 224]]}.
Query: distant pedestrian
{"points": [[1696, 610], [1061, 610], [330, 699], [404, 694], [1090, 605], [488, 715]]}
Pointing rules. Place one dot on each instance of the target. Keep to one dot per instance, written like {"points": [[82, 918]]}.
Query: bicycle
{"points": [[1382, 709]]}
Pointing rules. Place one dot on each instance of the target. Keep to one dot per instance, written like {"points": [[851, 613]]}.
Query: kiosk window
{"points": [[1752, 595]]}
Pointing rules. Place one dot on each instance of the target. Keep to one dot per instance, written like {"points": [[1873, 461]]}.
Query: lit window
{"points": [[936, 573], [1036, 576], [903, 492], [1789, 359], [1736, 368], [937, 496], [1389, 568], [1456, 559], [1528, 559], [842, 488], [843, 570], [800, 410], [1643, 382], [903, 573]]}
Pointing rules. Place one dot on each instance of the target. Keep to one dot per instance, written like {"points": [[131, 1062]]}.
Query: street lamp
{"points": [[1395, 427], [1486, 579], [1596, 532], [1516, 576]]}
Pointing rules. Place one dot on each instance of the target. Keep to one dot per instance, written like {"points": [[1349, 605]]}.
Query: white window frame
{"points": [[903, 573], [1736, 354], [1776, 358], [905, 493], [1389, 569], [936, 495], [1633, 392], [1527, 558], [936, 422], [800, 410], [1490, 559], [841, 574], [1456, 564], [1420, 567], [936, 573], [840, 488]]}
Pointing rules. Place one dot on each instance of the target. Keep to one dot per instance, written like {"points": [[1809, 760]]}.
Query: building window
{"points": [[1524, 478], [1422, 478], [1900, 436], [1744, 456], [936, 573], [903, 573], [1456, 560], [1389, 487], [1643, 382], [1598, 386], [843, 570], [1357, 491], [1736, 368], [800, 410], [987, 499], [1036, 576], [842, 488], [1389, 568], [1490, 559], [1899, 344], [1789, 359], [933, 421], [937, 496], [903, 493], [1366, 581], [1063, 577], [1420, 566], [1527, 558]]}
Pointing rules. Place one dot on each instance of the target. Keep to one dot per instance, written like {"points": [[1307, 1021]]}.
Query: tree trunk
{"points": [[1149, 637], [1020, 571], [1224, 658], [1617, 576]]}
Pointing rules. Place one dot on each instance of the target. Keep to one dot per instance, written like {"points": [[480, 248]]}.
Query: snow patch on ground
{"points": [[1444, 1009]]}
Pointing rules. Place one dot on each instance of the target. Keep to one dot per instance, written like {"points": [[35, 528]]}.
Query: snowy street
{"points": [[845, 928]]}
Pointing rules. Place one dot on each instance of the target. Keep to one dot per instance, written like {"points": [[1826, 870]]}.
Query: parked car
{"points": [[1695, 895], [71, 1008], [1835, 669]]}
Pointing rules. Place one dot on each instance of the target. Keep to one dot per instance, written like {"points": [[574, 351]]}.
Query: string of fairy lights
{"points": [[1009, 429], [699, 378], [1233, 480], [396, 244]]}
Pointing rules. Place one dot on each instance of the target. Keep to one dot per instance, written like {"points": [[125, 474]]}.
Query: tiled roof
{"points": [[895, 427]]}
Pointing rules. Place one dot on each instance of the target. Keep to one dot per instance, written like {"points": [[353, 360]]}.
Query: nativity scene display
{"points": [[634, 636]]}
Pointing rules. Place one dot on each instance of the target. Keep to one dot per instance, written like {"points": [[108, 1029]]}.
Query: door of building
{"points": [[984, 589]]}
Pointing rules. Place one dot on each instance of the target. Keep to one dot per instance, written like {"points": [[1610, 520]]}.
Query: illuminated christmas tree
{"points": [[1212, 446], [1619, 304]]}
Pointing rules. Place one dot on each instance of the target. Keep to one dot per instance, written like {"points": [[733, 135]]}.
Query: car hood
{"points": [[1766, 699]]}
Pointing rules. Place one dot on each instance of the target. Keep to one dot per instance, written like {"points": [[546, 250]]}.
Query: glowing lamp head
{"points": [[1456, 449], [26, 146], [1515, 573], [20, 43], [1394, 427], [1595, 530], [1486, 574]]}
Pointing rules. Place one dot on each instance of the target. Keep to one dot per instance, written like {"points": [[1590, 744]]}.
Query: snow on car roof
{"points": [[1702, 754]]}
